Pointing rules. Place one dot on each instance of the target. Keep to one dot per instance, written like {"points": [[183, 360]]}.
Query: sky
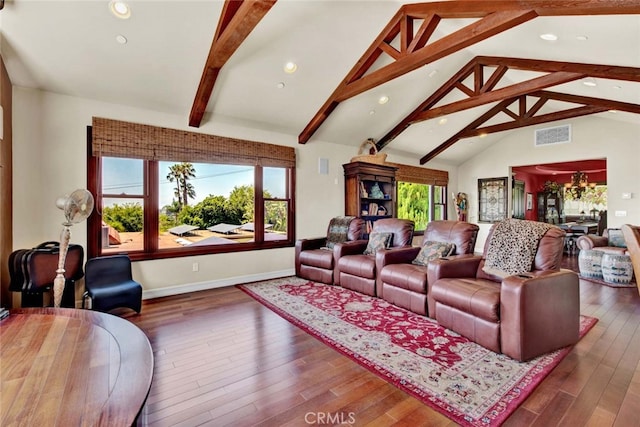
{"points": [[124, 176]]}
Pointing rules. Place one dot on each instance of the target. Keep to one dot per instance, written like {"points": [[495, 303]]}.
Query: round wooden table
{"points": [[72, 367]]}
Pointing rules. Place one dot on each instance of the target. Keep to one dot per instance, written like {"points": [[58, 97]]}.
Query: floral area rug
{"points": [[466, 382]]}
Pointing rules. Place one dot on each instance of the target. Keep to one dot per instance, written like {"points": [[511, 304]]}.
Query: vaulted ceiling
{"points": [[481, 65]]}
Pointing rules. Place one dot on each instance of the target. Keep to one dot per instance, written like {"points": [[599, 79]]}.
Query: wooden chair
{"points": [[631, 235]]}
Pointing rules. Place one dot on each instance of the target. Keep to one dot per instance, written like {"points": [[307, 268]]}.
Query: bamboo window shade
{"points": [[415, 174], [115, 138]]}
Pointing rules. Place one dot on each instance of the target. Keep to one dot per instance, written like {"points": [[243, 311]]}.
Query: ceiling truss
{"points": [[524, 116], [483, 91], [237, 20], [494, 17]]}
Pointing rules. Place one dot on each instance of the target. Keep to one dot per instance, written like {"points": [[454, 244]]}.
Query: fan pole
{"points": [[59, 281]]}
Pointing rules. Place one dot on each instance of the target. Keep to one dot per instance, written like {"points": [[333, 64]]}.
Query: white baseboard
{"points": [[201, 286]]}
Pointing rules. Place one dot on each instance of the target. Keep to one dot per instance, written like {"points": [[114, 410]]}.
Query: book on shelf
{"points": [[363, 190], [373, 208]]}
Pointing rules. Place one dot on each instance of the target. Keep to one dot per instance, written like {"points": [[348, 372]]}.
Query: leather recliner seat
{"points": [[405, 284], [319, 265], [359, 272], [522, 316]]}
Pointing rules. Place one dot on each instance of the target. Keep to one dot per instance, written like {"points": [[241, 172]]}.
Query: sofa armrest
{"points": [[314, 243], [349, 248], [402, 255], [305, 245], [590, 241], [539, 313], [465, 265]]}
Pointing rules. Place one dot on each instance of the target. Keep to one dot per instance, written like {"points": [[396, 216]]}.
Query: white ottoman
{"points": [[617, 268], [590, 263]]}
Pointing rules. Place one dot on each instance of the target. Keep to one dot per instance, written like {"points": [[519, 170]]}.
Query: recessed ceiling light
{"points": [[432, 73], [121, 39], [482, 135], [442, 121], [582, 38], [290, 67], [613, 111], [591, 82], [280, 85], [383, 99], [549, 37], [617, 87], [372, 112], [120, 9]]}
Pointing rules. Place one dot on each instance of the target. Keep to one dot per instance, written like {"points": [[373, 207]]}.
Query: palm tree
{"points": [[174, 175], [187, 172], [181, 173]]}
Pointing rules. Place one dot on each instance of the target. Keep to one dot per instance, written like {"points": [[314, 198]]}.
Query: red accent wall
{"points": [[534, 183]]}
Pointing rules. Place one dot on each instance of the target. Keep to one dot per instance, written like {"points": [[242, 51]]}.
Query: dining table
{"points": [[70, 367]]}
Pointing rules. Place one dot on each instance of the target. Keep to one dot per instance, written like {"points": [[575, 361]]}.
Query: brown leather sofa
{"points": [[405, 284], [319, 265], [357, 271], [611, 241], [522, 316]]}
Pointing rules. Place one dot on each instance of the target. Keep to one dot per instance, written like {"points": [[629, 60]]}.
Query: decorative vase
{"points": [[376, 192], [590, 263]]}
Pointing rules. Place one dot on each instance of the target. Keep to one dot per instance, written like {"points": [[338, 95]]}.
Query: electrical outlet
{"points": [[195, 267], [621, 213]]}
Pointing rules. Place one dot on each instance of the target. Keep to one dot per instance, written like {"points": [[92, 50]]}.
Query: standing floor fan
{"points": [[76, 207]]}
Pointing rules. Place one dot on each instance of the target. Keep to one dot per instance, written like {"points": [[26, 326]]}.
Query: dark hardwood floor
{"points": [[221, 358]]}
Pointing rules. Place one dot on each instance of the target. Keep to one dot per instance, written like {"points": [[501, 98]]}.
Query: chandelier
{"points": [[579, 183]]}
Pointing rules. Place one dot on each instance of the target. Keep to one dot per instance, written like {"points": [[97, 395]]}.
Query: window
{"points": [[492, 199], [421, 194], [591, 202], [421, 203], [152, 208]]}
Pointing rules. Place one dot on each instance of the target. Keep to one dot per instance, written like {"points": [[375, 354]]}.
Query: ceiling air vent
{"points": [[554, 135]]}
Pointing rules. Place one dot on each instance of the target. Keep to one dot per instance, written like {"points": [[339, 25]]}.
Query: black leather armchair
{"points": [[109, 284]]}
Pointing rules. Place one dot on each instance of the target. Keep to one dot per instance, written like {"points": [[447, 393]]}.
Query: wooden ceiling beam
{"points": [[473, 9], [588, 100], [560, 72], [536, 120], [551, 117], [436, 97], [473, 128], [526, 118], [237, 20], [517, 89], [494, 17], [482, 29], [612, 72], [500, 107]]}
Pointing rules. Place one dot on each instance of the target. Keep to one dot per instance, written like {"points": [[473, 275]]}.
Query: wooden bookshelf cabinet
{"points": [[361, 196]]}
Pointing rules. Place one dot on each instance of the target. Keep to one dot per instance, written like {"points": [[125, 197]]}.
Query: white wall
{"points": [[592, 137], [49, 161]]}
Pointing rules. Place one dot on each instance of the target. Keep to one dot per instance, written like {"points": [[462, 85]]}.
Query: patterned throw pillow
{"points": [[433, 250], [616, 238], [378, 241]]}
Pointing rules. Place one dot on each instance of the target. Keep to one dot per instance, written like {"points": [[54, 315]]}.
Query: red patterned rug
{"points": [[466, 382]]}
